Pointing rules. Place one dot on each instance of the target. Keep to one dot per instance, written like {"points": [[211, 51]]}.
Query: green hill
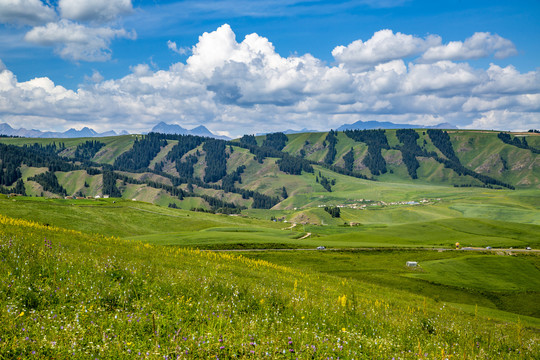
{"points": [[373, 165]]}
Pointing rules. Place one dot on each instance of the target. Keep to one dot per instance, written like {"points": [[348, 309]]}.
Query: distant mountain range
{"points": [[370, 125], [200, 130], [6, 129], [164, 128]]}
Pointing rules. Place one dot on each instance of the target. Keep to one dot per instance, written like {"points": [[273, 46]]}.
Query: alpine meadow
{"points": [[272, 246], [269, 179]]}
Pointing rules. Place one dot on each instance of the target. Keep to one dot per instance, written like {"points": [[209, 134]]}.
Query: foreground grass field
{"points": [[65, 293]]}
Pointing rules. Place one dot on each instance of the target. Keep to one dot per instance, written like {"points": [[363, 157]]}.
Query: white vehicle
{"points": [[320, 248], [528, 248]]}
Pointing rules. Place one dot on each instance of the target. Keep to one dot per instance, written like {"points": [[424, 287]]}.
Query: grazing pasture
{"points": [[92, 296]]}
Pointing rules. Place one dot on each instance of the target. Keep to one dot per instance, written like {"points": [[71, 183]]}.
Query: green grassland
{"points": [[358, 295], [508, 285], [444, 276], [483, 273], [117, 217], [89, 296]]}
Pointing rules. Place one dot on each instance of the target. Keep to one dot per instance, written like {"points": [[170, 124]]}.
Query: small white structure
{"points": [[412, 263]]}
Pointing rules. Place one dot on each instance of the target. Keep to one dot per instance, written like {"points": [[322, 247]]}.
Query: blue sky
{"points": [[122, 64]]}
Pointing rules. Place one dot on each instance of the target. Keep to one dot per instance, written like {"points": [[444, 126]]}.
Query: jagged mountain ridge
{"points": [[6, 129], [85, 132], [200, 130]]}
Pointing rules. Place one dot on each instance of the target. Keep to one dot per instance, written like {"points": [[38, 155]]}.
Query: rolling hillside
{"points": [[283, 172]]}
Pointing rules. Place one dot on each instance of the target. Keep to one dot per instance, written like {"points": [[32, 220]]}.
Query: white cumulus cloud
{"points": [[95, 10], [383, 46], [75, 41], [179, 50], [244, 86], [480, 45], [25, 12], [505, 120]]}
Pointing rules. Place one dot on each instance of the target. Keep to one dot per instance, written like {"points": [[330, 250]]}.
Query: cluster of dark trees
{"points": [[88, 149], [226, 211], [248, 140], [17, 189], [228, 181], [441, 140], [294, 165], [474, 185], [185, 168], [9, 173], [410, 150], [261, 152], [216, 204], [376, 141], [462, 170], [12, 157], [331, 141], [35, 156], [520, 143], [46, 150], [109, 184], [185, 144], [325, 182], [348, 159], [276, 141], [216, 160], [343, 171], [49, 182], [333, 211], [261, 201], [143, 151]]}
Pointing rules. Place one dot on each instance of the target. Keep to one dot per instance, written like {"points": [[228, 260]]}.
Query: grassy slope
{"points": [[114, 146], [104, 215], [491, 273], [493, 282], [387, 228], [481, 151], [485, 153], [164, 151], [114, 298]]}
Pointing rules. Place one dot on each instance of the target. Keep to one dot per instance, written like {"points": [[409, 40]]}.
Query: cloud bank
{"points": [[78, 33], [238, 87], [76, 42], [25, 12], [96, 10]]}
